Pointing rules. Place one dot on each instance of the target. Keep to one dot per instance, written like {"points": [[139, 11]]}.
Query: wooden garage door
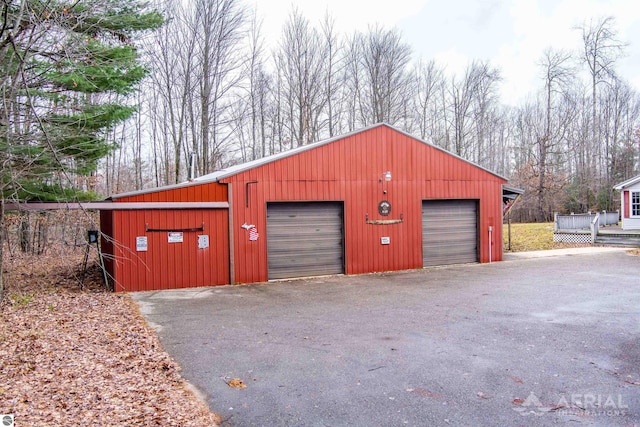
{"points": [[449, 232], [304, 239]]}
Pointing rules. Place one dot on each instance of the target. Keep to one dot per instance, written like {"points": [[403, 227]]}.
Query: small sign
{"points": [[385, 240], [203, 241], [384, 208], [253, 234], [175, 237], [141, 244]]}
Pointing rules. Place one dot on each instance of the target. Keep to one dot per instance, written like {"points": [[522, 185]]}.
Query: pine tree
{"points": [[66, 68], [65, 71]]}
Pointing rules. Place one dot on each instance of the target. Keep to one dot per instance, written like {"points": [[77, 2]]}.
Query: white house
{"points": [[630, 203]]}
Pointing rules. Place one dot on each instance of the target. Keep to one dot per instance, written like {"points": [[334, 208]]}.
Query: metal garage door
{"points": [[449, 232], [304, 239]]}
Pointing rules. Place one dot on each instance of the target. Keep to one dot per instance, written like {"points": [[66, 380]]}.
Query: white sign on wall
{"points": [[385, 240], [141, 244], [175, 237], [203, 241]]}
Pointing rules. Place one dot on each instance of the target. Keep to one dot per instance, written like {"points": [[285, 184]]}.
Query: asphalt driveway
{"points": [[542, 341]]}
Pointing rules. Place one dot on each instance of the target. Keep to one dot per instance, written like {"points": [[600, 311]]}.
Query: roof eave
{"points": [[628, 183]]}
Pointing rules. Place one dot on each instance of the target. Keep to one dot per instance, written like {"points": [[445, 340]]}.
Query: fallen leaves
{"points": [[425, 393], [236, 383], [86, 356], [516, 380]]}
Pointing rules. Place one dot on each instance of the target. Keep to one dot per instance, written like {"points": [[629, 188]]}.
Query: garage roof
{"points": [[234, 170]]}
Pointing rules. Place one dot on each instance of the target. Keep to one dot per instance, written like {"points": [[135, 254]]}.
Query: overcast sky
{"points": [[511, 34]]}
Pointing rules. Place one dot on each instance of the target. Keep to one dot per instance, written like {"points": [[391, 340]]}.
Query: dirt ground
{"points": [[83, 357]]}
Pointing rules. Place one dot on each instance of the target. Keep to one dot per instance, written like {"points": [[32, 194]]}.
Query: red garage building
{"points": [[373, 200]]}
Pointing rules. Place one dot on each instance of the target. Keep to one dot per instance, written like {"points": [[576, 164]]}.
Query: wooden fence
{"points": [[583, 221]]}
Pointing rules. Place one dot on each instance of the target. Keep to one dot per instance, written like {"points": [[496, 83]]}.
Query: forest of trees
{"points": [[211, 88]]}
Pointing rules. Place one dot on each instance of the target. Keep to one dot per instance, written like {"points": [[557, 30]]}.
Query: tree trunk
{"points": [[25, 233]]}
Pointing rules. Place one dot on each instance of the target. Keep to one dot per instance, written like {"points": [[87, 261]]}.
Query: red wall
{"points": [[169, 265], [349, 170], [627, 203], [209, 192]]}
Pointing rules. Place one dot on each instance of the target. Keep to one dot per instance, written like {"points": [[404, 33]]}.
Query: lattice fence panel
{"points": [[572, 237]]}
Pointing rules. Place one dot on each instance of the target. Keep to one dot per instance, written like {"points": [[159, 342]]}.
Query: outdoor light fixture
{"points": [[386, 175]]}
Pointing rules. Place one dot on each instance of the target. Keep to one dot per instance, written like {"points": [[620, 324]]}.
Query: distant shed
{"points": [[373, 200], [630, 203]]}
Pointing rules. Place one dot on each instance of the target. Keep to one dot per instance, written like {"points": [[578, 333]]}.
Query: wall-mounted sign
{"points": [[175, 237], [253, 234], [203, 241], [384, 208], [385, 240], [141, 244]]}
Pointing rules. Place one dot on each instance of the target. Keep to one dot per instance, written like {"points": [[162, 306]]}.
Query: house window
{"points": [[635, 203]]}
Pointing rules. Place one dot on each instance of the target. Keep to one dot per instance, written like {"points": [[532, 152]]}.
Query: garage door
{"points": [[449, 232], [304, 239]]}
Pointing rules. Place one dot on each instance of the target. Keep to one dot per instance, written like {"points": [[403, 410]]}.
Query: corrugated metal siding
{"points": [[449, 232], [304, 239], [349, 170], [170, 265], [209, 192]]}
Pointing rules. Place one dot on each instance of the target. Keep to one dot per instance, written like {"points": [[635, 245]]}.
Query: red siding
{"points": [[209, 192], [170, 265], [349, 170], [627, 202]]}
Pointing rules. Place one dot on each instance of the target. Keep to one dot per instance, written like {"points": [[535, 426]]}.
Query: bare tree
{"points": [[252, 110], [383, 60], [428, 81], [558, 73], [469, 99], [301, 69], [333, 76], [601, 50], [218, 28], [171, 53]]}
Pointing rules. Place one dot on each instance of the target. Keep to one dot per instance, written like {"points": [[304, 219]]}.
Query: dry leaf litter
{"points": [[83, 357]]}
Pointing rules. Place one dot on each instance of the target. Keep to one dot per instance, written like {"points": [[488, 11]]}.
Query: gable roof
{"points": [[234, 170], [628, 183]]}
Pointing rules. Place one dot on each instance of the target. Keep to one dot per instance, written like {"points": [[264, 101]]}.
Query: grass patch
{"points": [[20, 300], [533, 237]]}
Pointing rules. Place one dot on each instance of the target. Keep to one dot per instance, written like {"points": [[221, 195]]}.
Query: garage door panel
{"points": [[449, 232], [304, 239]]}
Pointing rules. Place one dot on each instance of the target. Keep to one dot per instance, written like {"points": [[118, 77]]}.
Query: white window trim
{"points": [[631, 194]]}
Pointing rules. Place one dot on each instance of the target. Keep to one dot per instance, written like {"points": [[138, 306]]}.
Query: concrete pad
{"points": [[539, 341], [510, 256]]}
